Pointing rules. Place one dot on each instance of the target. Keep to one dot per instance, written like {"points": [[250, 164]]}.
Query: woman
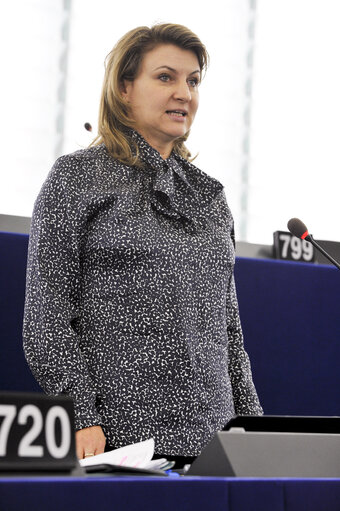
{"points": [[131, 306]]}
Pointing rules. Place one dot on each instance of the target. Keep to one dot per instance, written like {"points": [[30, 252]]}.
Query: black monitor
{"points": [[285, 423]]}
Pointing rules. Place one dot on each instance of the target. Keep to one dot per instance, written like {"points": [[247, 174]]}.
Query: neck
{"points": [[164, 148]]}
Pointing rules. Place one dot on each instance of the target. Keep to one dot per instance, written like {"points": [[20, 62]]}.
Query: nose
{"points": [[182, 91]]}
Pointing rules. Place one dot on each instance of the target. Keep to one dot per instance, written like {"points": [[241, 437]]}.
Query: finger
{"points": [[100, 446], [99, 450], [90, 449], [81, 447]]}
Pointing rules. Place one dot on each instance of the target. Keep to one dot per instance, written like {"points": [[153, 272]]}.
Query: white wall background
{"points": [[30, 46], [295, 135]]}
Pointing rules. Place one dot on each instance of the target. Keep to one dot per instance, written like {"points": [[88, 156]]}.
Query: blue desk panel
{"points": [[290, 317], [171, 494]]}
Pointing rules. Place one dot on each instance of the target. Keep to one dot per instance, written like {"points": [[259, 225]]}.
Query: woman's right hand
{"points": [[90, 441]]}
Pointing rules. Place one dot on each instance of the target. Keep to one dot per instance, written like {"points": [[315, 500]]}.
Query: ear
{"points": [[125, 89]]}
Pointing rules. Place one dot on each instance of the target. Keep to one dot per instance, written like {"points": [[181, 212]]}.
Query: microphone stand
{"points": [[310, 238]]}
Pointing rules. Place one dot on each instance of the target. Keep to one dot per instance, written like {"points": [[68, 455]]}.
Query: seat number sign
{"points": [[291, 248], [36, 432]]}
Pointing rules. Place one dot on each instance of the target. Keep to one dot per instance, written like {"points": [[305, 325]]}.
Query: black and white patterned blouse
{"points": [[130, 299]]}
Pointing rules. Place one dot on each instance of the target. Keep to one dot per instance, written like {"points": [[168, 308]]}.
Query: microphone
{"points": [[88, 126], [299, 229]]}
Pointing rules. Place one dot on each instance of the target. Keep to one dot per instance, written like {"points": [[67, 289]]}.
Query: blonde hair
{"points": [[123, 63]]}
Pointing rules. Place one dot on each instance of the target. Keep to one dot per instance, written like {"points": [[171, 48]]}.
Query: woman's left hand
{"points": [[90, 441]]}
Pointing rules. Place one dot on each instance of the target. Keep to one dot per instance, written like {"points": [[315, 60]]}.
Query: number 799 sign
{"points": [[291, 248], [36, 432]]}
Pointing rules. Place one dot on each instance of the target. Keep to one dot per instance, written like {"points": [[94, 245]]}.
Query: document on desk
{"points": [[137, 455]]}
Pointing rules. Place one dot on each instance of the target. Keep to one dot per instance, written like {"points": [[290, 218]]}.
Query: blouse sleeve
{"points": [[246, 401], [51, 344]]}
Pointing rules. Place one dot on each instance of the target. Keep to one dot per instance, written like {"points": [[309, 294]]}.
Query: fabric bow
{"points": [[178, 188]]}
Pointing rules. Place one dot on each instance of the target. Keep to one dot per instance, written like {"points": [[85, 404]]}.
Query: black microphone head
{"points": [[88, 126], [298, 228]]}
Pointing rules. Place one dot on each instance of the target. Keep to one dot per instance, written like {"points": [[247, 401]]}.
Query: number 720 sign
{"points": [[36, 432], [291, 248]]}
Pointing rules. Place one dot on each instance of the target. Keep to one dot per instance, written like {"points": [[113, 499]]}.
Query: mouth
{"points": [[177, 113]]}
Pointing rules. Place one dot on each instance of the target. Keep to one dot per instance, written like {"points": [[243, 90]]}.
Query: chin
{"points": [[177, 133]]}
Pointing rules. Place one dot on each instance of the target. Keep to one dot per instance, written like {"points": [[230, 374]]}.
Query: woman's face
{"points": [[167, 82]]}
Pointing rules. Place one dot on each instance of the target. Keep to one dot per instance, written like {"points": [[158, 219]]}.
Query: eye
{"points": [[164, 77], [194, 82]]}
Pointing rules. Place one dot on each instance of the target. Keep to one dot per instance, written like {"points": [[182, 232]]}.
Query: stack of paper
{"points": [[135, 455]]}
